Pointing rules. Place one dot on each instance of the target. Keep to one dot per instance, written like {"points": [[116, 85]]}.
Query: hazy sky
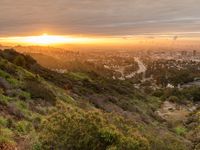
{"points": [[105, 17]]}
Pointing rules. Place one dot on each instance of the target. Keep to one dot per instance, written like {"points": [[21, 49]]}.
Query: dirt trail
{"points": [[173, 112]]}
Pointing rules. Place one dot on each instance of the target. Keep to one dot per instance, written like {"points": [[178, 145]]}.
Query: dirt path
{"points": [[173, 112]]}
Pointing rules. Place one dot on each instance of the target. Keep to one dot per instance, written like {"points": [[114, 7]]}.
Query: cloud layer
{"points": [[99, 17]]}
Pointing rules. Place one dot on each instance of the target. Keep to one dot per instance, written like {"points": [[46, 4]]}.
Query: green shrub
{"points": [[38, 90], [192, 93], [108, 136], [23, 127], [1, 91], [9, 78], [174, 99], [79, 76], [3, 100], [10, 123], [13, 81], [71, 128], [21, 105], [37, 146], [3, 121], [180, 130], [24, 95], [129, 143], [3, 74], [14, 110], [6, 135], [19, 61]]}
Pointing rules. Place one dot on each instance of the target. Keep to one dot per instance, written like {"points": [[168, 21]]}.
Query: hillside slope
{"points": [[41, 109]]}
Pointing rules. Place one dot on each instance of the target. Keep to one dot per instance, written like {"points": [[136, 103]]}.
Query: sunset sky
{"points": [[100, 18]]}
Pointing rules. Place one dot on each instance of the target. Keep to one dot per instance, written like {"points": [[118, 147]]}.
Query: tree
{"points": [[20, 61]]}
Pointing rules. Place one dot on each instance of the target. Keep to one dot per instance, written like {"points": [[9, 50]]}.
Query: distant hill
{"points": [[48, 61]]}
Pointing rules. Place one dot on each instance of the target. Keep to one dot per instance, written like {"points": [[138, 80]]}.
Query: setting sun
{"points": [[46, 39]]}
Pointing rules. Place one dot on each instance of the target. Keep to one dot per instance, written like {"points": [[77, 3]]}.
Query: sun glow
{"points": [[60, 40], [46, 39]]}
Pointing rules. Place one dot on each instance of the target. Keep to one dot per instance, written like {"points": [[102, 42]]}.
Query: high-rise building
{"points": [[194, 53], [183, 53]]}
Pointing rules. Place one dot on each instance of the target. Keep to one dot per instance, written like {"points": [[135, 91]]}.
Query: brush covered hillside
{"points": [[45, 110]]}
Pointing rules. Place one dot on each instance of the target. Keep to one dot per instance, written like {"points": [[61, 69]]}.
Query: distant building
{"points": [[170, 86], [194, 53], [183, 53]]}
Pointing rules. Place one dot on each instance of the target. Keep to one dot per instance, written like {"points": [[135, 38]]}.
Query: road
{"points": [[142, 68]]}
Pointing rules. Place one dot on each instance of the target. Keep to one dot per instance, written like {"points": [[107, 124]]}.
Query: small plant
{"points": [[23, 127], [20, 61], [38, 90], [6, 136], [15, 110], [3, 100], [3, 74], [180, 130], [173, 99], [24, 95], [1, 91], [3, 121]]}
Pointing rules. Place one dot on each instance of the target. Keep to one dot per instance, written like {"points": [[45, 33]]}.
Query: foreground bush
{"points": [[6, 136], [38, 90], [70, 128]]}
